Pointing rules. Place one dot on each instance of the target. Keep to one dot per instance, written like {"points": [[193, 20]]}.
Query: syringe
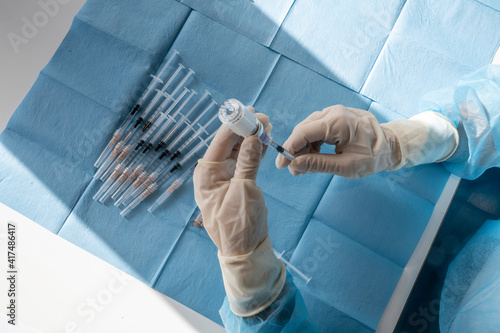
{"points": [[117, 151], [185, 119], [155, 122], [169, 121], [196, 135], [244, 122], [157, 112], [179, 86], [127, 180], [151, 187], [128, 152], [174, 186], [140, 172], [292, 267], [188, 129], [159, 94], [113, 182], [142, 159], [141, 178], [140, 182], [155, 79], [118, 170]]}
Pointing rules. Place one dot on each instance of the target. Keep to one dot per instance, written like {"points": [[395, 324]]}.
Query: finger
{"points": [[234, 153], [222, 145], [249, 158], [267, 127], [345, 165], [294, 172], [264, 150], [302, 136], [313, 116], [264, 119]]}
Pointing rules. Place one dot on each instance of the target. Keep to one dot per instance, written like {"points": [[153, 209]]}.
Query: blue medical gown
{"points": [[470, 299], [473, 106], [287, 313]]}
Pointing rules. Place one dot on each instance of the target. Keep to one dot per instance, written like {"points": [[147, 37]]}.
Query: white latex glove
{"points": [[363, 146], [235, 217]]}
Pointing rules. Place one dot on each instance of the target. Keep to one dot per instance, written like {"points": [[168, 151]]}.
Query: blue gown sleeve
{"points": [[286, 314], [473, 106]]}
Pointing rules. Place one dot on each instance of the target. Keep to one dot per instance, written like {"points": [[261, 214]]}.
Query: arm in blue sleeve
{"points": [[473, 106], [287, 313]]}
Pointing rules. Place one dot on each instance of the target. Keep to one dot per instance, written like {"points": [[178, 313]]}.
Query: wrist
{"points": [[252, 281], [425, 138]]}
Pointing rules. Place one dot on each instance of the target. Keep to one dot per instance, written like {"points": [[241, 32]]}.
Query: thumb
{"points": [[249, 158]]}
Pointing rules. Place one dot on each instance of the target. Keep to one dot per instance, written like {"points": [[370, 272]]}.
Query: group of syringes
{"points": [[156, 139]]}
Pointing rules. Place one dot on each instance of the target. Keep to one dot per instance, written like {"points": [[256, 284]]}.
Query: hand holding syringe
{"points": [[244, 122]]}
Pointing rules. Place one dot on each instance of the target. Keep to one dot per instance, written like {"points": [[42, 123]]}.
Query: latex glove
{"points": [[363, 146], [235, 217]]}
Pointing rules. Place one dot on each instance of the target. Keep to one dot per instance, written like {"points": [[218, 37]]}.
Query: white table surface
{"points": [[62, 288]]}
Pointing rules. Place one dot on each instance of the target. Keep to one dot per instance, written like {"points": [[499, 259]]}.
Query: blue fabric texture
{"points": [[431, 37], [339, 40], [287, 314], [473, 105], [288, 59], [471, 292], [259, 20]]}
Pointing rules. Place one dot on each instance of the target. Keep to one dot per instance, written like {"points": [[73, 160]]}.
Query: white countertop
{"points": [[61, 288]]}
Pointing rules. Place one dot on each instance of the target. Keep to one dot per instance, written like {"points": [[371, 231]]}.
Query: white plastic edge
{"points": [[412, 269]]}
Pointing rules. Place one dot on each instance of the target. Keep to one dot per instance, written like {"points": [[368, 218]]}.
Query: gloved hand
{"points": [[363, 146], [235, 217]]}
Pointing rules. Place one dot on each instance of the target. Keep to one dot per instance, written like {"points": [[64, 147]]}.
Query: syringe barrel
{"points": [[204, 143], [188, 141], [154, 80], [188, 128], [202, 98], [139, 199], [239, 118], [170, 59], [204, 112], [105, 165], [116, 137], [160, 118], [127, 182], [162, 130]]}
